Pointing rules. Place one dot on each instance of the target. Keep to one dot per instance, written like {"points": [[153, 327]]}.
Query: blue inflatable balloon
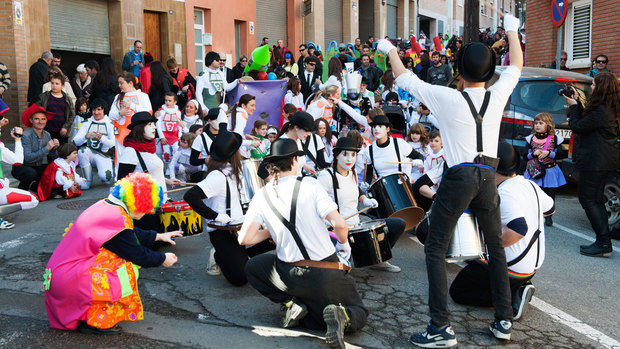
{"points": [[272, 76]]}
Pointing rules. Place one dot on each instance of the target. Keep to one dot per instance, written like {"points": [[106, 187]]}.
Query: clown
{"points": [[91, 279]]}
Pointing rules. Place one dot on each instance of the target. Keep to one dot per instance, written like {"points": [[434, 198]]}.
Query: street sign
{"points": [[559, 9]]}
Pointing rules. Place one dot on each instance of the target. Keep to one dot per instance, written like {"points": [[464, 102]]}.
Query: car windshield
{"points": [[542, 96]]}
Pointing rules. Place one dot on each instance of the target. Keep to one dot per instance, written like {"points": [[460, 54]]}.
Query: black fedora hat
{"points": [[283, 148], [346, 143], [381, 120], [225, 145], [476, 62], [212, 114], [141, 117], [509, 159], [302, 120]]}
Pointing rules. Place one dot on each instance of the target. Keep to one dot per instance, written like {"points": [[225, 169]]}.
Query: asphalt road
{"points": [[576, 300]]}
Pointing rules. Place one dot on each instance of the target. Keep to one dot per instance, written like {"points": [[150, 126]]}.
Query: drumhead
{"points": [[397, 174], [368, 225]]}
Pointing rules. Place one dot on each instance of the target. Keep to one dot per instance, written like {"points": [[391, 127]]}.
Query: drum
{"points": [[233, 226], [179, 216], [466, 242], [395, 197], [250, 181], [369, 243]]}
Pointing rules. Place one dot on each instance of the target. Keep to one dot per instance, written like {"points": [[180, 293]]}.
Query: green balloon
{"points": [[259, 60]]}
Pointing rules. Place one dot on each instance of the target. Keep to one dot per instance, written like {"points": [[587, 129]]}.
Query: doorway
{"points": [[152, 34]]}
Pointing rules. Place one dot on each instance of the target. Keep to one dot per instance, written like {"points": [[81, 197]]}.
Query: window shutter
{"points": [[581, 32]]}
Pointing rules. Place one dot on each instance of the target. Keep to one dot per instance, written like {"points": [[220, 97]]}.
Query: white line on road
{"points": [[16, 242], [574, 323], [580, 235]]}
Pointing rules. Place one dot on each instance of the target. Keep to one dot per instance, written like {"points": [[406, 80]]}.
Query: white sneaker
{"points": [[386, 266], [4, 225], [212, 268]]}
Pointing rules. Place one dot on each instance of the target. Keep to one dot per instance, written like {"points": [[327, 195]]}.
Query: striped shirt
{"points": [[58, 107], [5, 77]]}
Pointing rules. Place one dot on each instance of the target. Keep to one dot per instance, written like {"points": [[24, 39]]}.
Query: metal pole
{"points": [[558, 51]]}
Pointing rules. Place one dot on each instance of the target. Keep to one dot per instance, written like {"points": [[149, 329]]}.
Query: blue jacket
{"points": [[129, 58]]}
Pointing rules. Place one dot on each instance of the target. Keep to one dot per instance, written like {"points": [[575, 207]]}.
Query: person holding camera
{"points": [[597, 153]]}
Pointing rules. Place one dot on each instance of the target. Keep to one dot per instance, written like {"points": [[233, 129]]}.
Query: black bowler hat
{"points": [[141, 117], [381, 120], [302, 120], [509, 159], [213, 113], [283, 148], [346, 143], [225, 145], [476, 62]]}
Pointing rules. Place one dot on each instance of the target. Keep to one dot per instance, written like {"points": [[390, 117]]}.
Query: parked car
{"points": [[536, 92]]}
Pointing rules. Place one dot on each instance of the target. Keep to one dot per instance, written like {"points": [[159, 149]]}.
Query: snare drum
{"points": [[395, 197], [369, 243], [179, 215], [233, 226], [466, 242], [250, 181]]}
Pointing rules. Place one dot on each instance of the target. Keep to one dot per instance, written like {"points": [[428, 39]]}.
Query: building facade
{"points": [[589, 29]]}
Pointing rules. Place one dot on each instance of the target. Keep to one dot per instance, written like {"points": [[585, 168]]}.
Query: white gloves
{"points": [[364, 186], [344, 252], [511, 23], [222, 218], [368, 202], [384, 46]]}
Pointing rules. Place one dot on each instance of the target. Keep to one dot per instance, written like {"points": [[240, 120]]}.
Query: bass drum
{"points": [[369, 243], [466, 242], [395, 197], [250, 180]]}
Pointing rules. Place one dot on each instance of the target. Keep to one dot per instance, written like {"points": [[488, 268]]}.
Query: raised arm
{"points": [[511, 23]]}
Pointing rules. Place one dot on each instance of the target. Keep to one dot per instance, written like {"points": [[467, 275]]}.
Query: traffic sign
{"points": [[559, 9]]}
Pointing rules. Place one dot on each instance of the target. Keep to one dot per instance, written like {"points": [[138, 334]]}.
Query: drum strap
{"points": [[335, 185], [142, 163], [534, 238], [400, 166], [227, 194], [478, 116], [290, 224], [307, 150], [204, 142]]}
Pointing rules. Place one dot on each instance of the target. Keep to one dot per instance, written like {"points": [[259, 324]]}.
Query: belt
{"points": [[320, 264]]}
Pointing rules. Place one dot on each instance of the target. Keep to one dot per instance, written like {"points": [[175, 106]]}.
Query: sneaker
{"points": [[435, 337], [212, 268], [522, 299], [336, 318], [549, 221], [386, 266], [294, 313], [4, 225], [501, 329]]}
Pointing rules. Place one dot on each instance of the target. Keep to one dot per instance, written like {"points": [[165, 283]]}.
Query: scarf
{"points": [[143, 147]]}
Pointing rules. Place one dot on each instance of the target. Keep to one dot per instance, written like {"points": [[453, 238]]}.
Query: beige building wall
{"points": [[350, 20], [402, 27], [380, 19], [314, 23]]}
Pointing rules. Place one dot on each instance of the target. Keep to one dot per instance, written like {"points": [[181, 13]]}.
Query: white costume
{"points": [[22, 199], [168, 127], [95, 152]]}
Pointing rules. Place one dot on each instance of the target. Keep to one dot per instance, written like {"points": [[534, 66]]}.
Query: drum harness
{"points": [[534, 238], [372, 158], [307, 150], [290, 225]]}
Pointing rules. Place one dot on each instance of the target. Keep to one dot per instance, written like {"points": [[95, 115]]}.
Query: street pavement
{"points": [[575, 306]]}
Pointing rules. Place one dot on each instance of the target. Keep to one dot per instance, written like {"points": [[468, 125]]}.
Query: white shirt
{"points": [[313, 206], [155, 166], [12, 157], [517, 199], [66, 169], [348, 193], [181, 158], [104, 126], [198, 144], [315, 144], [214, 188], [189, 121], [241, 120], [417, 146], [300, 159], [433, 166], [139, 102], [333, 80], [168, 121], [458, 128], [296, 100], [384, 155]]}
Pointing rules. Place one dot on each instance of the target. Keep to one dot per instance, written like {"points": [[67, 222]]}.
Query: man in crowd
{"points": [[563, 59], [283, 49], [56, 60], [439, 73], [134, 59], [358, 44], [371, 73], [365, 51], [600, 66], [37, 74], [303, 53], [226, 73], [92, 68], [309, 76], [39, 148], [265, 41], [5, 79]]}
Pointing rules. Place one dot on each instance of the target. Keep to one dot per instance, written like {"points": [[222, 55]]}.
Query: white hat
{"points": [[272, 130], [81, 68]]}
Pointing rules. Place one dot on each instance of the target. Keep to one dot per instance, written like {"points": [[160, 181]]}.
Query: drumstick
{"points": [[499, 13], [184, 183], [399, 162], [359, 212], [178, 189]]}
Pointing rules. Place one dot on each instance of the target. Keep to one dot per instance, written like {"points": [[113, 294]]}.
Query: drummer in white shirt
{"points": [[522, 206], [342, 188], [305, 274], [299, 128], [215, 119]]}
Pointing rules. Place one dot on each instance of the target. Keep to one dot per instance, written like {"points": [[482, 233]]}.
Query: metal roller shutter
{"points": [[333, 21], [271, 21], [69, 18], [392, 11]]}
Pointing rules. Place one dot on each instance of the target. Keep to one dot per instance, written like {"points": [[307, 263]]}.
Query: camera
{"points": [[566, 91]]}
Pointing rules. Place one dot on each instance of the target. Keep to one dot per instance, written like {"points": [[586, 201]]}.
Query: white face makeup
{"points": [[214, 124], [302, 134], [346, 159], [380, 131], [149, 131]]}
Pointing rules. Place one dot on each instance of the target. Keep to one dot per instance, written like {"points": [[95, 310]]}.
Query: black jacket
{"points": [[36, 79], [596, 138], [237, 71], [373, 77], [157, 95], [306, 91], [107, 93]]}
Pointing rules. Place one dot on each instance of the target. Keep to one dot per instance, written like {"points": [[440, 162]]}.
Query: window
{"points": [[199, 29], [459, 2], [578, 33]]}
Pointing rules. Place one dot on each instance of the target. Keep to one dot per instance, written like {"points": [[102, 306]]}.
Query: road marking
{"points": [[16, 242], [580, 235], [574, 323]]}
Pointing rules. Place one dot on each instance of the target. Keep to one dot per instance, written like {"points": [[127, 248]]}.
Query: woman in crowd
{"points": [[597, 153], [81, 83], [105, 83], [387, 84], [183, 83], [293, 93], [90, 281], [334, 68], [289, 64], [323, 104], [239, 68], [240, 112], [324, 132], [425, 63], [161, 83], [192, 115]]}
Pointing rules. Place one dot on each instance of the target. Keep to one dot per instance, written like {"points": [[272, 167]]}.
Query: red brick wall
{"points": [[542, 35]]}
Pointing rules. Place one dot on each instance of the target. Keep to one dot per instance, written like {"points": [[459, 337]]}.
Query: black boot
{"points": [[548, 221], [600, 248], [85, 328]]}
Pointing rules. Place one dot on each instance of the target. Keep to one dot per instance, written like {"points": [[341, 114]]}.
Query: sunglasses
{"points": [[244, 61], [302, 49], [312, 64], [563, 59], [601, 62], [222, 60]]}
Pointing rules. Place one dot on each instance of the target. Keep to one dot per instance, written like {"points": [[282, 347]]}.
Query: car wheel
{"points": [[612, 205]]}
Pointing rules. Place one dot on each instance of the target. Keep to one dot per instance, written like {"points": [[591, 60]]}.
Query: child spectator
{"points": [[272, 133], [82, 113], [179, 165], [169, 125], [425, 188], [58, 103], [293, 94], [260, 132], [287, 111], [193, 113], [60, 180], [196, 129], [418, 140]]}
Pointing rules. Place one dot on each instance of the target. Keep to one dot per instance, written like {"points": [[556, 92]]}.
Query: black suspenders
{"points": [[534, 238], [372, 159], [478, 117], [332, 172]]}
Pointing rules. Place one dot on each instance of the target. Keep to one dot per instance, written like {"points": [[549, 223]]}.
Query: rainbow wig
{"points": [[139, 192]]}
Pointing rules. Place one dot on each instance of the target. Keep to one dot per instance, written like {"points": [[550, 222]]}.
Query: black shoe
{"points": [[501, 329], [522, 298], [336, 318], [85, 328], [600, 248], [549, 221], [434, 337], [294, 313]]}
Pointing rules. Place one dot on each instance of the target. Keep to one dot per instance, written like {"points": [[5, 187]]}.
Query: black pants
{"points": [[422, 201], [396, 228], [462, 187], [590, 191], [56, 135], [27, 174], [314, 287], [472, 285], [230, 256]]}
